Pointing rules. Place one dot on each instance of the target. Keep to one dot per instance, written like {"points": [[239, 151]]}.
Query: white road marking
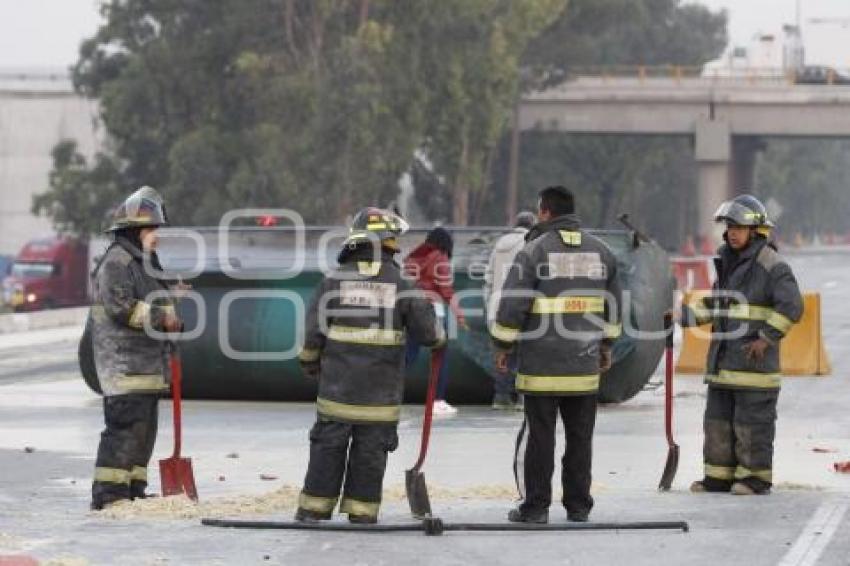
{"points": [[816, 536]]}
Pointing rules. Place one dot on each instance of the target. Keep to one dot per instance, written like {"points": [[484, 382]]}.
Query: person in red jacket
{"points": [[430, 264]]}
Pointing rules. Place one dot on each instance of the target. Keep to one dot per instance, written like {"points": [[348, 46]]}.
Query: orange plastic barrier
{"points": [[692, 272], [802, 351]]}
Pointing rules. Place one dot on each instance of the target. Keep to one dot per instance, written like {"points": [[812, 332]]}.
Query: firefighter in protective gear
{"points": [[354, 344], [130, 363], [753, 305], [559, 310]]}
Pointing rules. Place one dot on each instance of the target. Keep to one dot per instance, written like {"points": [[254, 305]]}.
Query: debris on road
{"points": [[67, 561], [181, 507], [29, 449], [268, 477], [233, 455], [821, 450], [842, 467], [282, 500]]}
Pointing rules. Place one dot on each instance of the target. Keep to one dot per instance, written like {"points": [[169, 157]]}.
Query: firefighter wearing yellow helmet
{"points": [[354, 346]]}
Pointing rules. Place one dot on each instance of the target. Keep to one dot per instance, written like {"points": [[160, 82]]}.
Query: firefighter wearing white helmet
{"points": [[754, 303]]}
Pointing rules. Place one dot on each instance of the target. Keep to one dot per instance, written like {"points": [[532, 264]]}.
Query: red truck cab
{"points": [[48, 273]]}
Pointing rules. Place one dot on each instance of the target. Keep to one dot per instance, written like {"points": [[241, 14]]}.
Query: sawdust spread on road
{"points": [[67, 561], [9, 542], [281, 500]]}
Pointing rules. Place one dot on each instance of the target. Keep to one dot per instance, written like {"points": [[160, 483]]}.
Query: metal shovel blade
{"points": [[417, 494], [670, 468], [177, 477]]}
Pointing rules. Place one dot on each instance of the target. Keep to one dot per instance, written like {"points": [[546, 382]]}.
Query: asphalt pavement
{"points": [[50, 423]]}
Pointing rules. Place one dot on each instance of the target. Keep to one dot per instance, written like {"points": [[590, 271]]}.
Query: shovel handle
{"points": [[433, 377], [668, 378], [176, 366]]}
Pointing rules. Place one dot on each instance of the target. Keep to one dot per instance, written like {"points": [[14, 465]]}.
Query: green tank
{"points": [[239, 353]]}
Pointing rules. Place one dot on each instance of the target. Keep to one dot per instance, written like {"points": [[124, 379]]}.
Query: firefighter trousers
{"points": [[355, 453], [740, 427], [126, 446], [579, 417]]}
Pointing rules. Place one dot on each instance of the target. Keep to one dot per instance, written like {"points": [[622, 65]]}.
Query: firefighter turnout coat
{"points": [[356, 330], [560, 300], [127, 359], [755, 296]]}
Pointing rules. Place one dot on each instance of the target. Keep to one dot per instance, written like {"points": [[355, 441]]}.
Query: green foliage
{"points": [[79, 192], [809, 180], [320, 105], [651, 178]]}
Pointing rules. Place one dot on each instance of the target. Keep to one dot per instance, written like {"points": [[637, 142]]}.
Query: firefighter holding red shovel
{"points": [[130, 362], [354, 345]]}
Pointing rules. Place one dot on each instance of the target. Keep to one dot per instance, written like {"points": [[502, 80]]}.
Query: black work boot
{"points": [[306, 516], [578, 516], [519, 516], [362, 519], [137, 491], [101, 503], [711, 485]]}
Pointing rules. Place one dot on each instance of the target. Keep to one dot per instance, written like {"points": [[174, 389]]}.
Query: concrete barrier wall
{"points": [[23, 322]]}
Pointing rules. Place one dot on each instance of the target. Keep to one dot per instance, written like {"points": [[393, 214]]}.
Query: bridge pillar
{"points": [[713, 152], [745, 150]]}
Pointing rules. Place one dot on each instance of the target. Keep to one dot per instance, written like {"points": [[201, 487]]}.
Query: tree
{"points": [[78, 191], [615, 173], [318, 105], [809, 180]]}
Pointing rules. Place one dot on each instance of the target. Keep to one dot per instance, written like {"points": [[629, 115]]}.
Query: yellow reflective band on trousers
{"points": [[743, 473], [357, 507], [317, 504], [558, 383], [308, 355], [111, 475], [141, 382], [367, 336], [358, 413], [568, 305], [724, 473], [746, 379], [139, 474], [503, 333]]}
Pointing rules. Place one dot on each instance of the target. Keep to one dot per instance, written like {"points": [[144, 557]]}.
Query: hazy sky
{"points": [[46, 33], [826, 44]]}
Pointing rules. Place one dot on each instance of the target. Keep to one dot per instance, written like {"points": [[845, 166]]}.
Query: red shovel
{"points": [[414, 479], [672, 463], [176, 472]]}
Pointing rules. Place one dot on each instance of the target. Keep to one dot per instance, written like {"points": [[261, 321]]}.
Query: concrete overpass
{"points": [[725, 117]]}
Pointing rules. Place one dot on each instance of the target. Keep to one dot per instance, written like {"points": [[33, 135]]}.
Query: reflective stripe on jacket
{"points": [[127, 359], [356, 328], [756, 296]]}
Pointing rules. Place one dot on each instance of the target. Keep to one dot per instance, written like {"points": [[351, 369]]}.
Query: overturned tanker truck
{"points": [[251, 284]]}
